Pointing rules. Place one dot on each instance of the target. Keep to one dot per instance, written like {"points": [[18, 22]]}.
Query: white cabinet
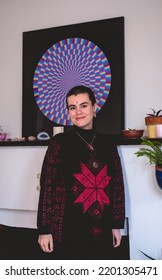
{"points": [[20, 168]]}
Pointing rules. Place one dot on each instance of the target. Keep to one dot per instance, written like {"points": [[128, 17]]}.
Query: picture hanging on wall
{"points": [[59, 58]]}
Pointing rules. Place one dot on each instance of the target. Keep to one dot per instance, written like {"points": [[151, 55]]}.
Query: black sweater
{"points": [[82, 191]]}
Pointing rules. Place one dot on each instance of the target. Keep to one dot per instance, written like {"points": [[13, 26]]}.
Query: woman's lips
{"points": [[80, 118]]}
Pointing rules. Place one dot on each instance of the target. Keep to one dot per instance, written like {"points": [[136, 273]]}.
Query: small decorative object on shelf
{"points": [[154, 124], [32, 138], [153, 152], [3, 134], [21, 139], [43, 136], [58, 129], [132, 133]]}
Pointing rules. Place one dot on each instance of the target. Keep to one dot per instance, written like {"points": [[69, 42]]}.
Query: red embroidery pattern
{"points": [[96, 231], [51, 214], [93, 192]]}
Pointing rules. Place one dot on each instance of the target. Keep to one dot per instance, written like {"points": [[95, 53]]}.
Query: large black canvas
{"points": [[108, 35]]}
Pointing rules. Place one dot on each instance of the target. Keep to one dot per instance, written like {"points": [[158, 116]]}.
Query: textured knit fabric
{"points": [[82, 194]]}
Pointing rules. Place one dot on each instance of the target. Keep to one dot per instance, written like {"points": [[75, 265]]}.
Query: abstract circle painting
{"points": [[68, 63]]}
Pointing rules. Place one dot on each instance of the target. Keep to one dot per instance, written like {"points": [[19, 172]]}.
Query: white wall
{"points": [[143, 46]]}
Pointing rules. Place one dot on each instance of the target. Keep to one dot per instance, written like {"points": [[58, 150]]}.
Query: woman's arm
{"points": [[48, 183]]}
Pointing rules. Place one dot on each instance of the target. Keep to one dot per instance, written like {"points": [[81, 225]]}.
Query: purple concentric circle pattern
{"points": [[68, 63]]}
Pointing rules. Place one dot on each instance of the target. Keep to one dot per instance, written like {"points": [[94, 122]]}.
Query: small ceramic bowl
{"points": [[3, 136], [132, 133]]}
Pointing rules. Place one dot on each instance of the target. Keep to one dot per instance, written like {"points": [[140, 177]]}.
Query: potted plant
{"points": [[154, 124], [3, 134], [154, 153]]}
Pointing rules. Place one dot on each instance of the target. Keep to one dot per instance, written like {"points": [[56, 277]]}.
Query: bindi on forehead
{"points": [[78, 99]]}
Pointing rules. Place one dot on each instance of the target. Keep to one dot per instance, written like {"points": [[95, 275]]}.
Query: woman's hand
{"points": [[116, 237], [46, 242]]}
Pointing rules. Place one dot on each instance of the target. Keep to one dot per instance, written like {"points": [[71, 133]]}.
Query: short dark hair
{"points": [[81, 89]]}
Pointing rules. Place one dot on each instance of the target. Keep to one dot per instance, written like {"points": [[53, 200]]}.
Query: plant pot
{"points": [[153, 123], [158, 173], [159, 127], [159, 130], [3, 136]]}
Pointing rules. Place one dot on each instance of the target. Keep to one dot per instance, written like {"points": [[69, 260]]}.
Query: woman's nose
{"points": [[78, 110]]}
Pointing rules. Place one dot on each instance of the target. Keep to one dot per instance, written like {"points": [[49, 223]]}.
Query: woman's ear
{"points": [[95, 108]]}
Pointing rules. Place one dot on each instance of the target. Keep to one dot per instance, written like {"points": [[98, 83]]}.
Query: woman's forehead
{"points": [[78, 99]]}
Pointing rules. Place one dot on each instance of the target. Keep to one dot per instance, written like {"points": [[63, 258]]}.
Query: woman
{"points": [[81, 205]]}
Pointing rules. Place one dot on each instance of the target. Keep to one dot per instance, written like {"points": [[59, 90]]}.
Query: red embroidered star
{"points": [[93, 187]]}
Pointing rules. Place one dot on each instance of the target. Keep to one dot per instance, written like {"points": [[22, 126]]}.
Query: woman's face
{"points": [[81, 110]]}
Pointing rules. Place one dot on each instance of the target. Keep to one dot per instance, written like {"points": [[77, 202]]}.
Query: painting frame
{"points": [[108, 34]]}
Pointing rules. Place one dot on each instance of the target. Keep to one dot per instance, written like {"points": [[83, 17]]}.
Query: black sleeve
{"points": [[49, 216]]}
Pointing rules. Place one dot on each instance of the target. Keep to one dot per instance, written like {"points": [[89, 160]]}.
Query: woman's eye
{"points": [[71, 108], [84, 106]]}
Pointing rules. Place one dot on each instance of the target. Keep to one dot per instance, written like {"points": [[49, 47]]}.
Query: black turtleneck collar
{"points": [[87, 134]]}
